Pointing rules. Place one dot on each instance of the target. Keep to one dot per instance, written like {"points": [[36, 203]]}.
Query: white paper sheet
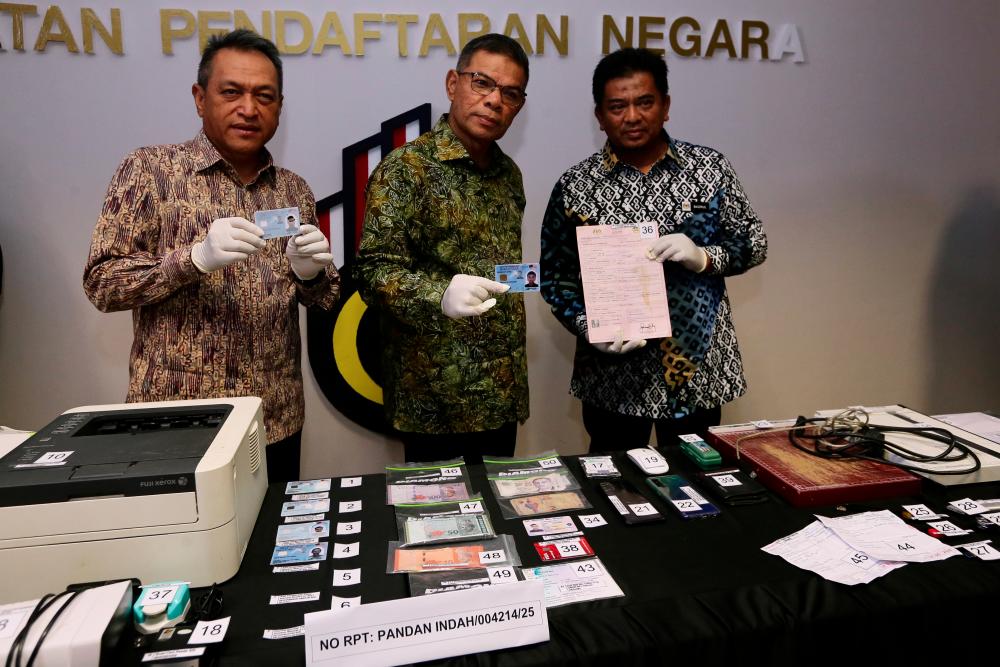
{"points": [[818, 549], [885, 536], [624, 292], [577, 581]]}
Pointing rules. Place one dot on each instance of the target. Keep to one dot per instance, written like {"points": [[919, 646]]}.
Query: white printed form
{"points": [[819, 550], [624, 292], [576, 581], [884, 535]]}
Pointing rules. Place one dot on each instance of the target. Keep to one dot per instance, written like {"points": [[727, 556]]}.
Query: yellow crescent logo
{"points": [[345, 350]]}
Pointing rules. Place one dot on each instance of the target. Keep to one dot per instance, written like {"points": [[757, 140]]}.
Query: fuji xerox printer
{"points": [[158, 491]]}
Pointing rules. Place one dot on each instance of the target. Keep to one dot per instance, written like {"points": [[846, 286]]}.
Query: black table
{"points": [[696, 592]]}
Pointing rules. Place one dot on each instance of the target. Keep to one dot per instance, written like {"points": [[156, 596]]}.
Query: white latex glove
{"points": [[229, 240], [308, 252], [470, 295], [619, 346], [679, 248]]}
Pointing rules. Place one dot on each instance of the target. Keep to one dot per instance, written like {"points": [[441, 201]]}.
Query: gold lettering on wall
{"points": [[91, 24], [647, 35], [561, 40], [436, 36], [55, 29], [692, 37], [515, 30], [17, 14], [293, 34], [242, 20], [282, 19], [206, 30], [465, 33], [168, 33], [402, 37], [331, 33], [610, 29], [721, 39], [361, 33]]}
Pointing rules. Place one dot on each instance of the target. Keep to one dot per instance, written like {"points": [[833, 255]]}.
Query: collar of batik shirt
{"points": [[609, 160], [205, 155], [449, 148]]}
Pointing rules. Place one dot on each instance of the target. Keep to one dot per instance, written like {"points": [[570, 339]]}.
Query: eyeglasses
{"points": [[512, 96]]}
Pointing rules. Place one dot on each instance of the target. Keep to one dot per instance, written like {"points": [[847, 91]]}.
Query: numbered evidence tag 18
{"points": [[573, 547], [210, 632]]}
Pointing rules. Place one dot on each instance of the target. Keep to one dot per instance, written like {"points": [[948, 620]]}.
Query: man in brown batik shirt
{"points": [[214, 306]]}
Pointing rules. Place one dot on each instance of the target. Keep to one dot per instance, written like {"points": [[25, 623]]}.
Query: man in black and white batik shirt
{"points": [[707, 232]]}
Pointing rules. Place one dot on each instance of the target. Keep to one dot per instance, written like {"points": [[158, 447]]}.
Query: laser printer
{"points": [[158, 491]]}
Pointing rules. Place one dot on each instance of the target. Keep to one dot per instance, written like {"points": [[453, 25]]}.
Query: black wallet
{"points": [[734, 487]]}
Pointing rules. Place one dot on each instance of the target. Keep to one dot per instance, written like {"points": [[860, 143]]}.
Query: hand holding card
{"points": [[309, 252], [229, 240]]}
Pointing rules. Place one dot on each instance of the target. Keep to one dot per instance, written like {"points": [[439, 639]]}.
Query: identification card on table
{"points": [[297, 532], [308, 486], [285, 554], [520, 277], [624, 292], [551, 525], [297, 508], [278, 222]]}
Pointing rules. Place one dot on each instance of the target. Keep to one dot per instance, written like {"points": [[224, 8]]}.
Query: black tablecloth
{"points": [[696, 592]]}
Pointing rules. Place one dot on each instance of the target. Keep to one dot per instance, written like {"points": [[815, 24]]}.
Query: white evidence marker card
{"points": [[160, 594], [968, 506], [337, 602], [346, 550], [472, 507], [349, 506], [349, 482], [347, 577], [981, 550], [686, 505], [492, 557], [210, 632], [920, 512], [592, 520], [349, 528], [642, 509], [502, 575], [725, 480], [947, 528]]}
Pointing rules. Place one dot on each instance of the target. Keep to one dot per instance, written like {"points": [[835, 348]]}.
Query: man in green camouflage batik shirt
{"points": [[441, 212]]}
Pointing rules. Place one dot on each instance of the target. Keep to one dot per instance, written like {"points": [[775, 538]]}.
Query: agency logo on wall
{"points": [[344, 342]]}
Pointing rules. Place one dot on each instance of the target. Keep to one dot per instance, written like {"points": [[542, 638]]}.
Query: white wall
{"points": [[874, 166]]}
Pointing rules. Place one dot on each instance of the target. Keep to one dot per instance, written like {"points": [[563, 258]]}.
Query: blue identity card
{"points": [[308, 486], [298, 553], [520, 277], [278, 222], [301, 533], [297, 508]]}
